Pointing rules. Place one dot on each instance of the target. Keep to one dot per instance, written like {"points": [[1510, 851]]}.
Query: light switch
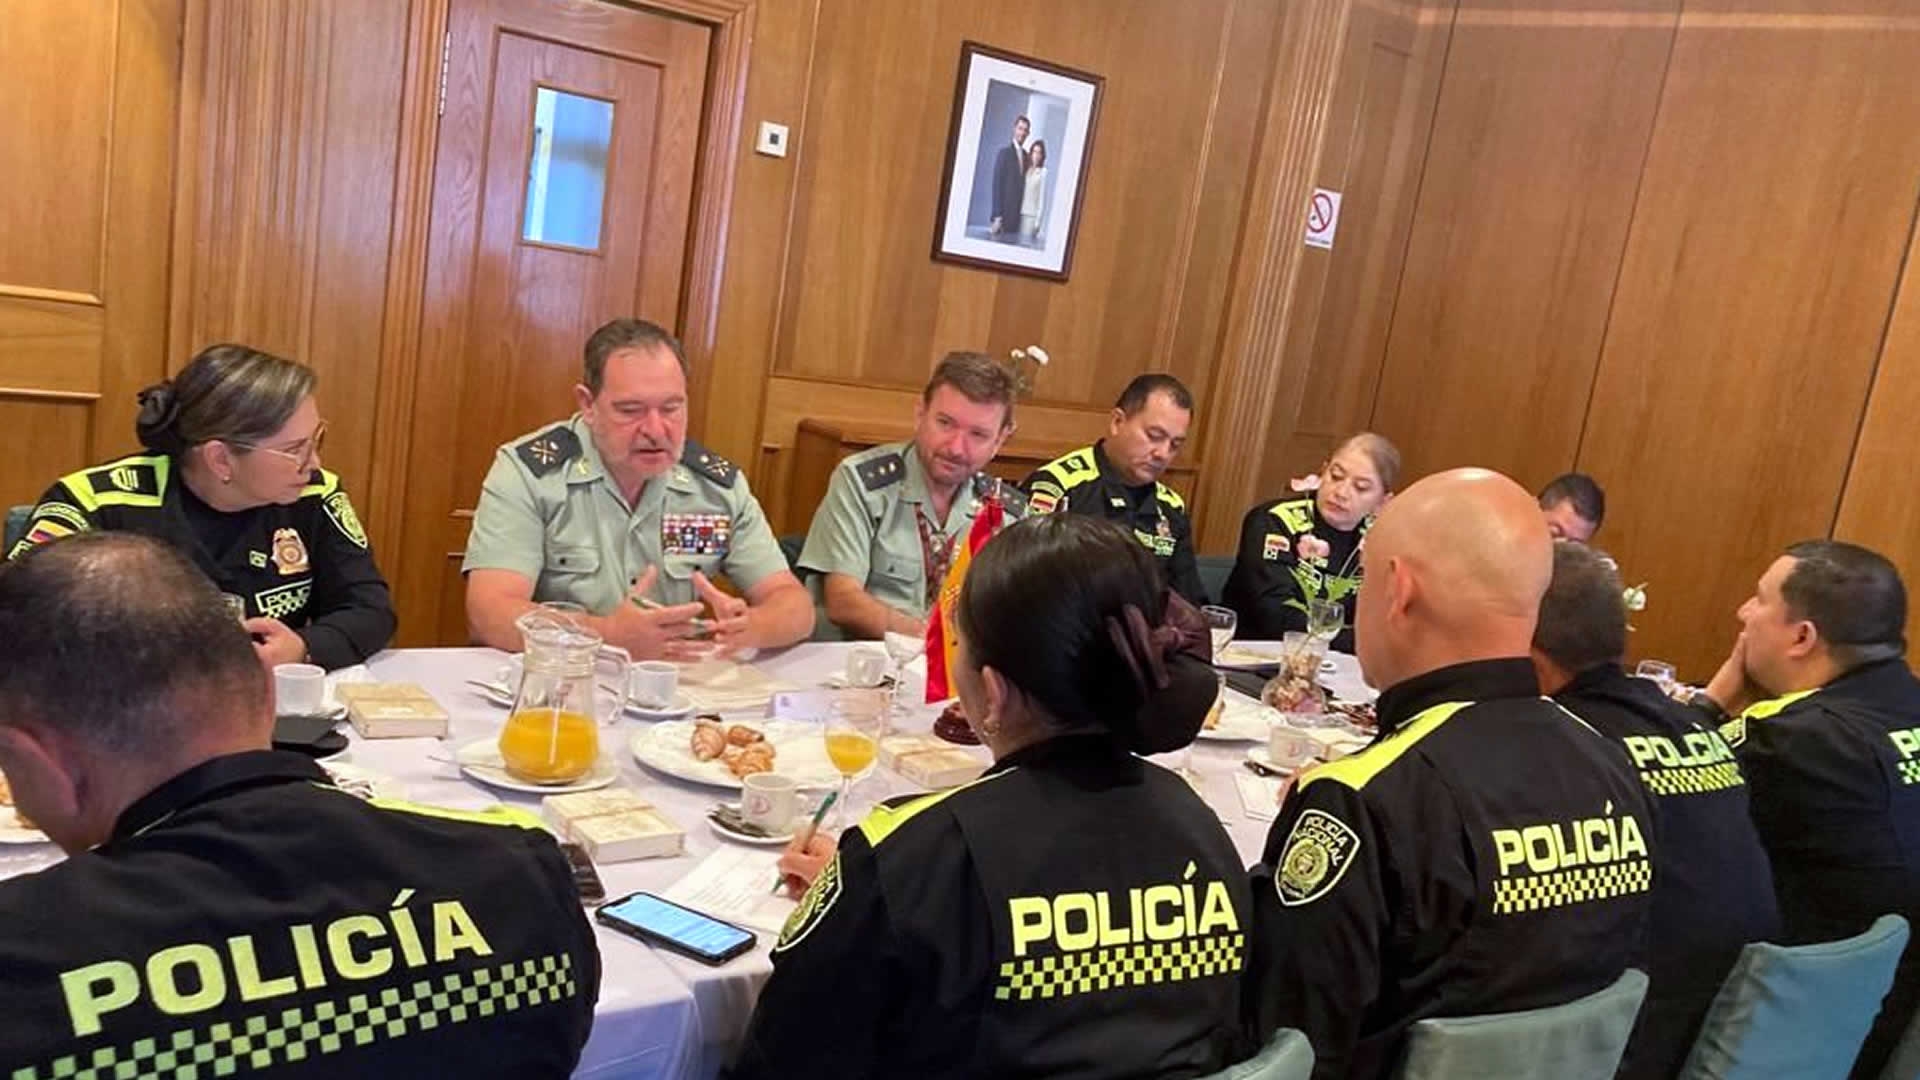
{"points": [[773, 139]]}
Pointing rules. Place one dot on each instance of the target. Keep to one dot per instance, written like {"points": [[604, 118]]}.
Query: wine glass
{"points": [[1324, 619], [1221, 624], [901, 650], [1660, 672], [853, 741]]}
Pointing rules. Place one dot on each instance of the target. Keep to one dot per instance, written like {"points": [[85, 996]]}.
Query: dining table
{"points": [[661, 1014]]}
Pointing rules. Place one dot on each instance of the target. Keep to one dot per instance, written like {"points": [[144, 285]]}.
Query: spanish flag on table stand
{"points": [[940, 624]]}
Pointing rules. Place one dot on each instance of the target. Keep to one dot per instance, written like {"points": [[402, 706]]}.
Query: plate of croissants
{"points": [[14, 826], [721, 753]]}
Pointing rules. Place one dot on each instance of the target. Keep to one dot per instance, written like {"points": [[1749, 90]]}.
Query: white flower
{"points": [[1038, 355], [1309, 482], [1635, 597]]}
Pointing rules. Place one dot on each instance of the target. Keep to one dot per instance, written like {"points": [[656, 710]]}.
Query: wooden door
{"points": [[563, 186]]}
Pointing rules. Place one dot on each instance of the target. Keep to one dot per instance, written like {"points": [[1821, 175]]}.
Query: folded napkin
{"points": [[725, 686]]}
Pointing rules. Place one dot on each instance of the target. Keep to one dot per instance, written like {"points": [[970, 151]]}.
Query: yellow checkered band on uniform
{"points": [[1562, 887], [1120, 967], [284, 1036], [1693, 780], [1910, 772]]}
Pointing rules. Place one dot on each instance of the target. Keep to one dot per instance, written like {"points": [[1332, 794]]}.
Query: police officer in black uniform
{"points": [[1076, 912], [232, 478], [225, 907], [1488, 852], [1818, 702], [1712, 888], [1118, 478]]}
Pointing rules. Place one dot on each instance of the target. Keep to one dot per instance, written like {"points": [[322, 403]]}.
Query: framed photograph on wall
{"points": [[1017, 155]]}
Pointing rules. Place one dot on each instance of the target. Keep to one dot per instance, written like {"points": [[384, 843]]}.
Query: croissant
{"points": [[742, 735], [757, 758], [709, 740]]}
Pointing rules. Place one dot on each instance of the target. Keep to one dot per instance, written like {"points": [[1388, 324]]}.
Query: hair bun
{"points": [[158, 424], [1171, 716]]}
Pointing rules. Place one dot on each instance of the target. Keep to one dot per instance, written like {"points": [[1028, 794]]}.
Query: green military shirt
{"points": [[550, 512], [868, 526]]}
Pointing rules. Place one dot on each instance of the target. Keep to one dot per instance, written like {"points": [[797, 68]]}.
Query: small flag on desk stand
{"points": [[940, 624]]}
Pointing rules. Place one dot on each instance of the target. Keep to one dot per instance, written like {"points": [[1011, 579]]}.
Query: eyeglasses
{"points": [[303, 458]]}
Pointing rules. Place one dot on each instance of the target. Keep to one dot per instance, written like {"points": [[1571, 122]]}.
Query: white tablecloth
{"points": [[661, 1015]]}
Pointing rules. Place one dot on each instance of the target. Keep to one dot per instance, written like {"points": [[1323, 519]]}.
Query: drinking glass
{"points": [[901, 650], [1324, 619], [1660, 672], [1221, 625], [853, 742]]}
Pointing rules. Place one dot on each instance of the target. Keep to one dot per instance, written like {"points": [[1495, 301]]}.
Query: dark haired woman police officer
{"points": [[232, 477], [1076, 911]]}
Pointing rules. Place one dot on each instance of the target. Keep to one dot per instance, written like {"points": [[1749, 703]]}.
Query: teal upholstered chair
{"points": [[1287, 1056], [1214, 570], [1799, 1010], [1581, 1040], [16, 527]]}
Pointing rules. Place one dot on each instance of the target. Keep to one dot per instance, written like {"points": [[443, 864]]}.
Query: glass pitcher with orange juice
{"points": [[552, 735]]}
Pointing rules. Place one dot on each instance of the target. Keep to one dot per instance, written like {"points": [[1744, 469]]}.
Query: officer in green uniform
{"points": [[1118, 478], [1078, 911], [1823, 711], [617, 511], [884, 536], [1488, 852], [225, 909], [1306, 546], [233, 479]]}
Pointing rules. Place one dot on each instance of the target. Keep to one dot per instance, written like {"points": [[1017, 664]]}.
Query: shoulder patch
{"points": [[709, 464], [1169, 496], [340, 509], [1070, 470], [549, 450], [1319, 850], [881, 472], [1734, 731], [321, 483], [819, 900], [1295, 514], [1274, 546], [132, 481]]}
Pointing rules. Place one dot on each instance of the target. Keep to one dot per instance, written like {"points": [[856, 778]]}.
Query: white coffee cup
{"points": [[654, 683], [769, 801], [1289, 747], [299, 689], [866, 666]]}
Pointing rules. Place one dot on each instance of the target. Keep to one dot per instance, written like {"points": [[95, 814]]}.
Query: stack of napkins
{"points": [[392, 710], [930, 762], [613, 825]]}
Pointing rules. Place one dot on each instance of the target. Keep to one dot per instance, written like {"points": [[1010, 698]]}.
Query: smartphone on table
{"points": [[586, 880], [684, 930]]}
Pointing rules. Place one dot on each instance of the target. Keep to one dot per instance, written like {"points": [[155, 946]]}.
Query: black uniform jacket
{"points": [[306, 564], [1077, 912], [1835, 775], [248, 915], [1487, 853], [1085, 482], [1268, 570], [1712, 888]]}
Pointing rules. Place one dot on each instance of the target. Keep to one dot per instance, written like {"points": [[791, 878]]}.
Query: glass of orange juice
{"points": [[853, 742], [552, 735]]}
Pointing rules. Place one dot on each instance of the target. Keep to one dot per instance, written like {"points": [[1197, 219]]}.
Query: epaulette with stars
{"points": [[881, 472], [709, 464], [549, 450]]}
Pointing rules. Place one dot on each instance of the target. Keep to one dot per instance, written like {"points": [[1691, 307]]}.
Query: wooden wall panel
{"points": [[287, 201], [39, 442], [1377, 139], [1778, 199], [1878, 507], [1537, 147]]}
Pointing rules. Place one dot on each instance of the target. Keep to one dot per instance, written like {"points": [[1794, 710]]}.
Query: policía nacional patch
{"points": [[340, 509], [813, 907], [1318, 852], [1274, 546]]}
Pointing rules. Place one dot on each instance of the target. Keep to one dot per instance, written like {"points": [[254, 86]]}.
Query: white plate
{"points": [[1328, 667], [799, 752], [748, 838], [1241, 721], [481, 761], [12, 832], [682, 705], [1236, 655]]}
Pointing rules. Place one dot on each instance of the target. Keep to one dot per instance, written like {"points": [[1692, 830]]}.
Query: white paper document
{"points": [[1260, 795], [736, 884]]}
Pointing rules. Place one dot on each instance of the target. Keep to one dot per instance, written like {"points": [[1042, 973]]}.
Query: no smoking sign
{"points": [[1323, 217]]}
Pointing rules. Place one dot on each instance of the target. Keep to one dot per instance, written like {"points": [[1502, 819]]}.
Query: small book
{"points": [[931, 762], [613, 825], [392, 711]]}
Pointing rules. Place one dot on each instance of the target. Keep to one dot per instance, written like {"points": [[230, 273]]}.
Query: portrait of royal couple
{"points": [[1019, 187]]}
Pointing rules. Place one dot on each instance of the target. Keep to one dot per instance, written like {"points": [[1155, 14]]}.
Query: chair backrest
{"points": [[1287, 1056], [1798, 1010], [1904, 1064], [1581, 1040], [791, 546], [1214, 571], [16, 527]]}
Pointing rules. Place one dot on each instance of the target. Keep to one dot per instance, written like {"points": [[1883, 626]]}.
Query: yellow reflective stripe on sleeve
{"points": [[1169, 496], [509, 816], [329, 483], [1073, 469], [1355, 771], [885, 820], [1760, 710]]}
